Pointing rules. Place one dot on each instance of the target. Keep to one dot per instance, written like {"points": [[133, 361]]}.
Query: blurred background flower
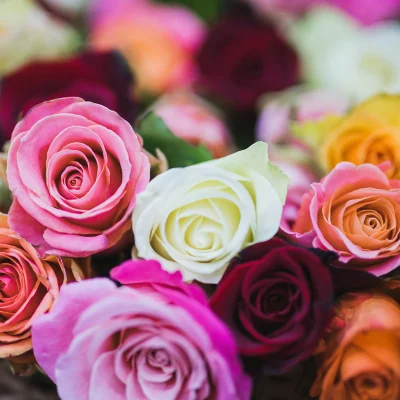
{"points": [[27, 33]]}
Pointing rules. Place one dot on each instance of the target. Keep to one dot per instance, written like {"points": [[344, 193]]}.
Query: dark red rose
{"points": [[277, 299], [241, 59], [98, 77]]}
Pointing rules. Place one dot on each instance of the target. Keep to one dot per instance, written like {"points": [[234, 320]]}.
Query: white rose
{"points": [[339, 54], [28, 33], [196, 219]]}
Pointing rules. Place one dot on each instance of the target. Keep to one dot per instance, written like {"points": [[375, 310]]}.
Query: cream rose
{"points": [[196, 219]]}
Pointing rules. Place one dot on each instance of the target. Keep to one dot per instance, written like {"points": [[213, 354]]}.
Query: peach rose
{"points": [[29, 287], [370, 133], [74, 168], [355, 212], [196, 121], [159, 41], [362, 360]]}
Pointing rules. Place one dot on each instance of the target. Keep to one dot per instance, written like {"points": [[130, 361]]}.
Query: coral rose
{"points": [[158, 40], [355, 212], [29, 286], [362, 360], [162, 344], [75, 169], [369, 134]]}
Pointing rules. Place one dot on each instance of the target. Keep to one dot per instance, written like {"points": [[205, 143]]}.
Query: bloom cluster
{"points": [[198, 204]]}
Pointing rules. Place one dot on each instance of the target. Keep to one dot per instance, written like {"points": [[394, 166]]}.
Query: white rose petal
{"points": [[196, 219]]}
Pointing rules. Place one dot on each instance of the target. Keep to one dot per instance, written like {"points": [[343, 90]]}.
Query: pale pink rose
{"points": [[301, 179], [369, 11], [355, 212], [194, 120], [365, 11], [159, 41], [104, 342], [74, 168], [297, 105]]}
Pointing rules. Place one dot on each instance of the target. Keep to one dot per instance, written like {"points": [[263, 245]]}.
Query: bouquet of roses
{"points": [[152, 248]]}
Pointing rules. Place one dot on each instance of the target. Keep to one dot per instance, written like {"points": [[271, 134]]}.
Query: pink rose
{"points": [[104, 342], [148, 275], [355, 212], [196, 121], [301, 179], [75, 169], [369, 11], [296, 104], [365, 11]]}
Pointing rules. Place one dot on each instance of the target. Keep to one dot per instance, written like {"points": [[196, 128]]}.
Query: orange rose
{"points": [[29, 286], [369, 134], [158, 41], [362, 361]]}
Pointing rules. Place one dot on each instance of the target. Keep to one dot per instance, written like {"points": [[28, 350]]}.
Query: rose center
{"points": [[371, 386], [8, 286], [74, 182], [158, 358]]}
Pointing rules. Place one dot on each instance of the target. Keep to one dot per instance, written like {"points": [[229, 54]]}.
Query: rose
{"points": [[75, 169], [148, 275], [196, 121], [355, 212], [97, 77], [137, 346], [29, 33], [301, 178], [353, 60], [197, 218], [239, 61], [279, 298], [29, 287], [370, 12], [159, 41], [370, 133], [362, 359], [283, 115]]}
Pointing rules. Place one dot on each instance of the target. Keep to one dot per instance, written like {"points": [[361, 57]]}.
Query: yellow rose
{"points": [[370, 133], [362, 360]]}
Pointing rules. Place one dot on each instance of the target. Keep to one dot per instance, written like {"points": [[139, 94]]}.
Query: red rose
{"points": [[98, 77], [241, 59], [276, 298]]}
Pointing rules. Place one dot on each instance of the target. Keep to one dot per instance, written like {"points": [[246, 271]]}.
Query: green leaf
{"points": [[179, 153], [209, 10]]}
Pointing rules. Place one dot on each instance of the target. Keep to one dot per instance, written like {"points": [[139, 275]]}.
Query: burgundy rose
{"points": [[277, 300], [100, 78], [241, 59]]}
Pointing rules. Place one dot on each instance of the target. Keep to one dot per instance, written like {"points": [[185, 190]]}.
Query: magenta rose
{"points": [[105, 342], [100, 77], [276, 298], [242, 59], [147, 275], [75, 169]]}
